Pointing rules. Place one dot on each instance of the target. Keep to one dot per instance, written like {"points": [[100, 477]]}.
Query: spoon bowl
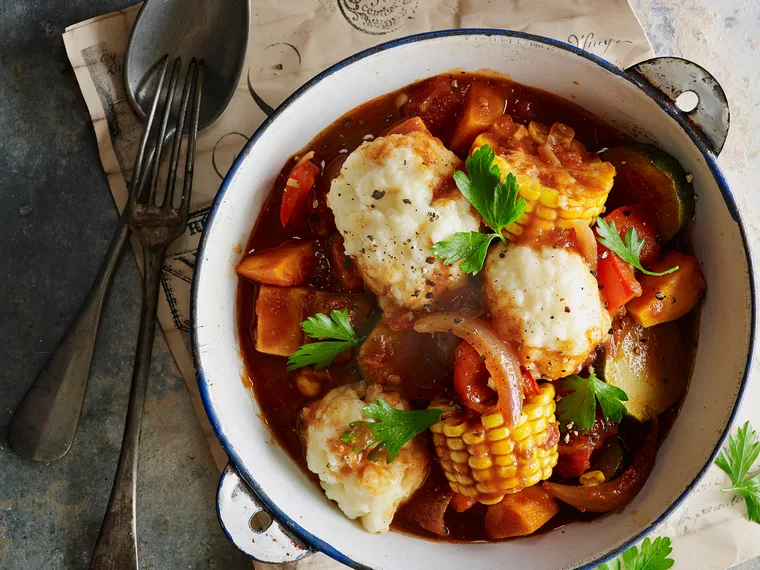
{"points": [[215, 31]]}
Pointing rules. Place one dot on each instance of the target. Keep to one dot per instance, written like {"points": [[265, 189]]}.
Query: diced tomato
{"points": [[645, 222], [617, 281], [435, 102], [471, 379], [297, 188], [575, 456], [342, 267]]}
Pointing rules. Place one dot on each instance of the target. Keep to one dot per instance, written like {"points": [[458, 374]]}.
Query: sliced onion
{"points": [[499, 357], [586, 242], [616, 493]]}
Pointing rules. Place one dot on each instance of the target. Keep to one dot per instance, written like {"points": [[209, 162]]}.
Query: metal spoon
{"points": [[45, 422]]}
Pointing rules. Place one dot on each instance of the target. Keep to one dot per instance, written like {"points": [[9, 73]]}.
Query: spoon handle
{"points": [[116, 548], [44, 424]]}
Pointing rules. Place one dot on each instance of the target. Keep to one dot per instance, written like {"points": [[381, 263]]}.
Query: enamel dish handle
{"points": [[673, 76], [250, 526]]}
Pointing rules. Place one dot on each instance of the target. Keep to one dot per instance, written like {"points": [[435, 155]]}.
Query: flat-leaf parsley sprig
{"points": [[579, 406], [321, 354], [393, 428], [630, 251], [736, 459], [497, 202], [654, 555]]}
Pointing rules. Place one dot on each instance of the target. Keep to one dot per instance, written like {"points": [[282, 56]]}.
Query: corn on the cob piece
{"points": [[483, 459], [560, 181]]}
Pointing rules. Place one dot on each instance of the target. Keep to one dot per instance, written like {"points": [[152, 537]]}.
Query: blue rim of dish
{"points": [[665, 104]]}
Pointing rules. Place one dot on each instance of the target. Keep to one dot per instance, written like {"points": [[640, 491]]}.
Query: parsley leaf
{"points": [[736, 458], [390, 432], [630, 251], [654, 555], [322, 354], [579, 406], [749, 489], [470, 247], [497, 202]]}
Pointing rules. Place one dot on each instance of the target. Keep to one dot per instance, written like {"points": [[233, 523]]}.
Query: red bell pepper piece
{"points": [[471, 380], [616, 493], [617, 282], [645, 223], [616, 278], [297, 188]]}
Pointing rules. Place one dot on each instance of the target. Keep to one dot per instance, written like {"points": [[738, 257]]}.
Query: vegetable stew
{"points": [[450, 328]]}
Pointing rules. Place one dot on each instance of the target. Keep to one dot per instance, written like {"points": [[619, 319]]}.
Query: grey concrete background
{"points": [[57, 218]]}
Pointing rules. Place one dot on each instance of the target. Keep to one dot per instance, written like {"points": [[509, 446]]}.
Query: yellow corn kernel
{"points": [[474, 436], [453, 430], [521, 431], [497, 434], [480, 462], [456, 444], [549, 198], [459, 456], [592, 479], [492, 421], [539, 425], [488, 459]]}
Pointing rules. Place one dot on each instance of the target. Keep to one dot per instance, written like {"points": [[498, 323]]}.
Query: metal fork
{"points": [[157, 225]]}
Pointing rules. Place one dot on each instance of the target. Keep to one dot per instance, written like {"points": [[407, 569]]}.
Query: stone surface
{"points": [[57, 217], [722, 36]]}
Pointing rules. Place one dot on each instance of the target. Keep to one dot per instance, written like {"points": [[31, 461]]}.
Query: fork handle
{"points": [[44, 424], [116, 548]]}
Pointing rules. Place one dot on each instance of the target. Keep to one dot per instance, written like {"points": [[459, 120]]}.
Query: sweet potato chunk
{"points": [[483, 104], [279, 313], [413, 125], [285, 266], [520, 514], [668, 297]]}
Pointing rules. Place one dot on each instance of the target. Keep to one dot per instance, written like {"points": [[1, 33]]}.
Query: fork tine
{"points": [[177, 144], [191, 140], [138, 167], [156, 162]]}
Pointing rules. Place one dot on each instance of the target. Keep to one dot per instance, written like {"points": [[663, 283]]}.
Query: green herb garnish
{"points": [[654, 555], [497, 202], [579, 406], [736, 458], [390, 432], [322, 354], [630, 251]]}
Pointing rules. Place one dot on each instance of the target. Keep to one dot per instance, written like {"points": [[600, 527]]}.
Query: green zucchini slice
{"points": [[648, 176], [650, 365]]}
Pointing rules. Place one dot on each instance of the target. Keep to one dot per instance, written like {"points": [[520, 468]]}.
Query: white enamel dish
{"points": [[638, 101]]}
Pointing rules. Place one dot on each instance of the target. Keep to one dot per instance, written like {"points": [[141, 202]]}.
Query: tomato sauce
{"points": [[426, 366]]}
